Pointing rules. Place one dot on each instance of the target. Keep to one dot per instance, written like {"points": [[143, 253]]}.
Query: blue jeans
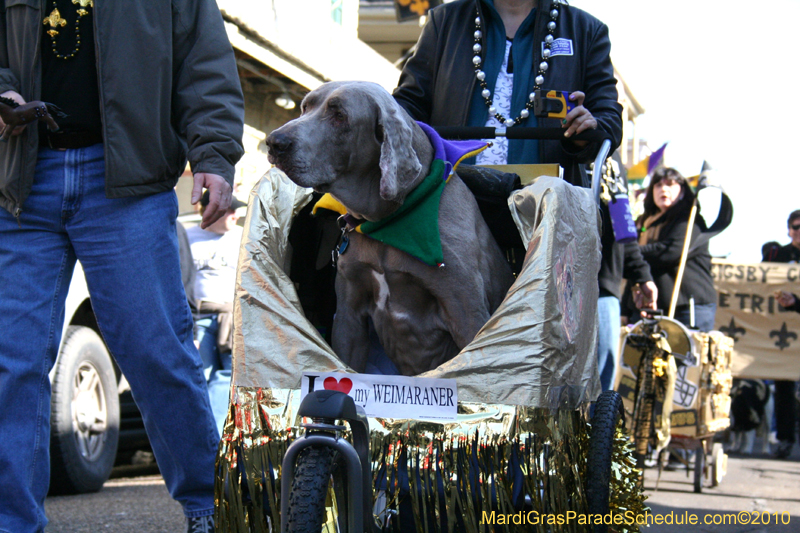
{"points": [[129, 252], [216, 367], [608, 340], [704, 315]]}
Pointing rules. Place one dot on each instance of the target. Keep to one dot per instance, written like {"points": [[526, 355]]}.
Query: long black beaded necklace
{"points": [[54, 20]]}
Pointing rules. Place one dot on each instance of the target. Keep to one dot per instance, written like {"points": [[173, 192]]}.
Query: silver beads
{"points": [[544, 65], [546, 52]]}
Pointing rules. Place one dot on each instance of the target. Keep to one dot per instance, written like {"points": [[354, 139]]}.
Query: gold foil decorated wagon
{"points": [[675, 385], [520, 455]]}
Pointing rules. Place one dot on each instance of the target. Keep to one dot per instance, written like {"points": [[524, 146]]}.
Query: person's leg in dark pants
{"points": [[785, 417]]}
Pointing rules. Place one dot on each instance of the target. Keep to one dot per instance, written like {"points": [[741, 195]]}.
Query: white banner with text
{"points": [[766, 336], [391, 396]]}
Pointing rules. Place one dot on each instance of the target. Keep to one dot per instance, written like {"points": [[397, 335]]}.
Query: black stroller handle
{"points": [[464, 132], [554, 134]]}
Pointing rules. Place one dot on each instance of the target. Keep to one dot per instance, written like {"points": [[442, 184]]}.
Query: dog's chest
{"points": [[391, 290], [399, 293]]}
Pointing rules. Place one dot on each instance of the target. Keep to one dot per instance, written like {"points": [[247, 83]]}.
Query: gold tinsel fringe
{"points": [[455, 473]]}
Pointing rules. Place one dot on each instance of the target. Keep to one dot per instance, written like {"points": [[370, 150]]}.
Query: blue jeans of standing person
{"points": [[704, 315], [608, 316], [129, 252], [216, 367]]}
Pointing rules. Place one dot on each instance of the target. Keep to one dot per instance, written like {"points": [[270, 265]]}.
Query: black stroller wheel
{"points": [[317, 494], [608, 412]]}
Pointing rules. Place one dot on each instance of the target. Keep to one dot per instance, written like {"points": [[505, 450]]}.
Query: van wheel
{"points": [[84, 414]]}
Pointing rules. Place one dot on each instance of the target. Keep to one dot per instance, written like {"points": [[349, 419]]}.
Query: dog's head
{"points": [[353, 141]]}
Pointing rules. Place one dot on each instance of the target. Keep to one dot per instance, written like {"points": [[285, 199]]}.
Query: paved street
{"points": [[139, 502], [753, 484]]}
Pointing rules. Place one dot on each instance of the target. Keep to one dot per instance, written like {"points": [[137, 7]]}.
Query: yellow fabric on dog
{"points": [[330, 203]]}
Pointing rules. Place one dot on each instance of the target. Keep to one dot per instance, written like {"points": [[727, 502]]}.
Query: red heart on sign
{"points": [[343, 385]]}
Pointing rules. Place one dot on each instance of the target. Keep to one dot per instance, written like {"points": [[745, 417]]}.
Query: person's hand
{"points": [[579, 119], [21, 101], [219, 196], [645, 296], [785, 299], [649, 296], [15, 114]]}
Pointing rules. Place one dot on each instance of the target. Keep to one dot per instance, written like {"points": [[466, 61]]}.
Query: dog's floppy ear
{"points": [[399, 162]]}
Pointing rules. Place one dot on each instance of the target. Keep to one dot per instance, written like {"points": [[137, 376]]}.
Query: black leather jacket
{"points": [[664, 257], [438, 81]]}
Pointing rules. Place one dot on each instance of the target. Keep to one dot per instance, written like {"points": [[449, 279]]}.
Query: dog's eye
{"points": [[305, 107], [307, 104], [337, 115]]}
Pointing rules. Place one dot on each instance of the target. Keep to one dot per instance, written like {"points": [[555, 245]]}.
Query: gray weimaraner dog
{"points": [[354, 142]]}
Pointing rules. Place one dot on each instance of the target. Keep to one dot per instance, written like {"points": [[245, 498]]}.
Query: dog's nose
{"points": [[279, 143]]}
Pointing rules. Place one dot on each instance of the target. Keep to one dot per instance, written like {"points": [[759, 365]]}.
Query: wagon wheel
{"points": [[643, 406], [719, 464], [608, 412]]}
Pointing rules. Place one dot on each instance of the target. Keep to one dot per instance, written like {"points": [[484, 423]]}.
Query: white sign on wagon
{"points": [[391, 396]]}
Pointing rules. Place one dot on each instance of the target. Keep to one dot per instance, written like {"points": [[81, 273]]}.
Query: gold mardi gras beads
{"points": [[83, 3], [54, 20]]}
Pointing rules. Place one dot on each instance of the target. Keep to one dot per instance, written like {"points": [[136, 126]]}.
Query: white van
{"points": [[94, 421]]}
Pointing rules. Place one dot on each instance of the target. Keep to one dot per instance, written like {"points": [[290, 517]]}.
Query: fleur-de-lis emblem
{"points": [[732, 330], [54, 20], [783, 336], [84, 3]]}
